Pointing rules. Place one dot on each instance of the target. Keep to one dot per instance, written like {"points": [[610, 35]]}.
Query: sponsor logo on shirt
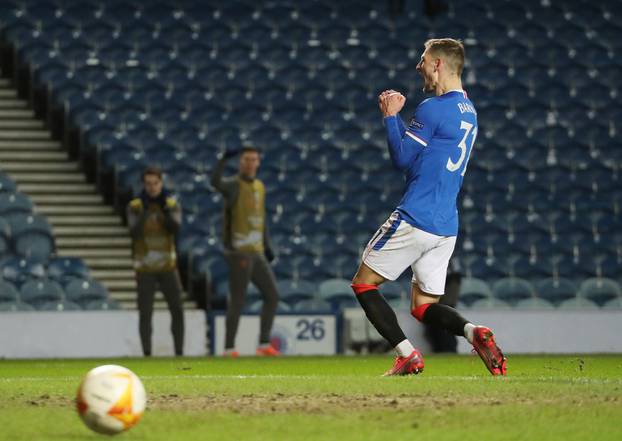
{"points": [[414, 124]]}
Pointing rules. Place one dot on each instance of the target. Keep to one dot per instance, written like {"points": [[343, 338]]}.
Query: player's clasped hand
{"points": [[391, 102]]}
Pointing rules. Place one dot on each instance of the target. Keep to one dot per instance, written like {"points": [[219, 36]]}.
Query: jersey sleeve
{"points": [[424, 123]]}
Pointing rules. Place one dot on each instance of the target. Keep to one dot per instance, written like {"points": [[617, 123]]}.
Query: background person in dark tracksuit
{"points": [[247, 246], [154, 219]]}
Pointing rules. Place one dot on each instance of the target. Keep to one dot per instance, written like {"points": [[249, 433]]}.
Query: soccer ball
{"points": [[111, 399]]}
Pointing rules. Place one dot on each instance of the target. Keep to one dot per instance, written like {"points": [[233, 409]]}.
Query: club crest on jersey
{"points": [[416, 124]]}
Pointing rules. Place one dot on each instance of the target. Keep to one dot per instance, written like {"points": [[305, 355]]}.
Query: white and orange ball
{"points": [[111, 399]]}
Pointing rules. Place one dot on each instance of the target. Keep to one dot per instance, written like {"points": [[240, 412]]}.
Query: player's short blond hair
{"points": [[451, 50]]}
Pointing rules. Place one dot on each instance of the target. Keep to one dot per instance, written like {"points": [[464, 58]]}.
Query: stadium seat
{"points": [[101, 305], [394, 291], [18, 270], [513, 289], [15, 306], [64, 305], [599, 290], [39, 292], [534, 303], [7, 185], [34, 244], [556, 290], [175, 82], [14, 203], [256, 306], [473, 290], [615, 303], [8, 292], [62, 269], [296, 291], [490, 303], [336, 291], [578, 303], [84, 291], [5, 237]]}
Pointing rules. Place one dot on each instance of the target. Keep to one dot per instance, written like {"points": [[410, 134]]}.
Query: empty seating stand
{"points": [[173, 83]]}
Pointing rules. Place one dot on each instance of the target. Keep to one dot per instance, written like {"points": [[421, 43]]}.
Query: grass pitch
{"points": [[330, 398]]}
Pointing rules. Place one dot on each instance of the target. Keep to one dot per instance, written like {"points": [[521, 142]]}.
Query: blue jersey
{"points": [[433, 152]]}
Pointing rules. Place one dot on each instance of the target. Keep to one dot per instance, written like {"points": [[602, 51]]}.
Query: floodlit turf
{"points": [[336, 398]]}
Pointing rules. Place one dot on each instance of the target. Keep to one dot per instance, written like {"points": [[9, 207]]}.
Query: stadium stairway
{"points": [[83, 225]]}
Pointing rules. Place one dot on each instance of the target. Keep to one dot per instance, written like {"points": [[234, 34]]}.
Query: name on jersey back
{"points": [[466, 108]]}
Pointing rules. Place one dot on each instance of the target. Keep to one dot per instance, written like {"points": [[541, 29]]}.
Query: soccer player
{"points": [[154, 219], [247, 246], [433, 153]]}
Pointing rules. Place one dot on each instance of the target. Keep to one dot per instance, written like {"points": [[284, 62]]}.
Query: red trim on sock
{"points": [[360, 288], [419, 311]]}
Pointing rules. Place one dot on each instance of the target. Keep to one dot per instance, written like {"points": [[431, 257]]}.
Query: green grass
{"points": [[334, 398]]}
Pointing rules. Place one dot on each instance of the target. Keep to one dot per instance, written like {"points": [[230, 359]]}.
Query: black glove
{"points": [[269, 255], [230, 153]]}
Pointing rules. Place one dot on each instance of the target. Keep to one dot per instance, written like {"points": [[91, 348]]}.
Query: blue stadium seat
{"points": [[294, 291], [534, 303], [62, 305], [600, 290], [556, 290], [7, 185], [312, 305], [578, 303], [473, 289], [14, 203], [513, 289], [490, 303], [39, 292], [15, 306], [83, 291], [32, 236], [256, 307], [101, 305], [8, 292], [615, 303], [34, 244], [333, 289], [177, 82], [18, 270]]}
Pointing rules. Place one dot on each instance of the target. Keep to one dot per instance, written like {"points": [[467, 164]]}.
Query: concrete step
{"points": [[5, 82], [95, 252], [106, 263], [90, 221], [80, 210], [24, 124], [34, 166], [57, 189], [25, 135], [88, 231], [29, 144], [115, 274], [93, 242], [12, 155], [8, 93], [48, 177], [16, 113], [13, 104], [121, 285], [86, 199]]}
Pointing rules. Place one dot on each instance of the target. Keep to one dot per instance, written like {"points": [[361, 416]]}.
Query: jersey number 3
{"points": [[468, 129]]}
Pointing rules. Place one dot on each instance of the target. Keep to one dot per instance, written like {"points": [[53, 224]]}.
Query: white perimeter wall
{"points": [[525, 331], [115, 333], [83, 334]]}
